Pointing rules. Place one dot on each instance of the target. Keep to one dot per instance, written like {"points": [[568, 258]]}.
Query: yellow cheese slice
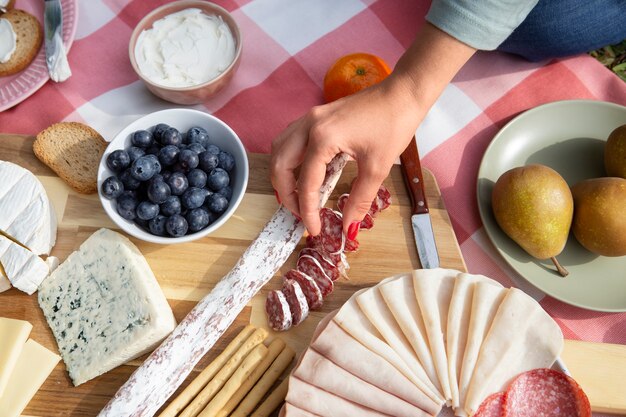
{"points": [[33, 366], [13, 335]]}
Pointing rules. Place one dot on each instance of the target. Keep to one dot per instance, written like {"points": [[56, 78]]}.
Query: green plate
{"points": [[568, 136]]}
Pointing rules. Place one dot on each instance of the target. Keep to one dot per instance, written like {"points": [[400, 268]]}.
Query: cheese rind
{"points": [[34, 365], [23, 268], [13, 335], [104, 306]]}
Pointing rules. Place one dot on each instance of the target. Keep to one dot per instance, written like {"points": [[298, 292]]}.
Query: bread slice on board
{"points": [[72, 150], [28, 34]]}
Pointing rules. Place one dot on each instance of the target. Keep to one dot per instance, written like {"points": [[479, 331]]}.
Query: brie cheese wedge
{"points": [[22, 267]]}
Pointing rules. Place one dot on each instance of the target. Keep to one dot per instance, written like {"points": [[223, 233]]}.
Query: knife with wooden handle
{"points": [[420, 218]]}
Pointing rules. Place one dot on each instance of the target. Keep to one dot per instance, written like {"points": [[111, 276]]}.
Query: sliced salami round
{"points": [[492, 406], [297, 301], [310, 266], [308, 286], [351, 245], [383, 198], [331, 269], [367, 222], [547, 393], [278, 311], [331, 235]]}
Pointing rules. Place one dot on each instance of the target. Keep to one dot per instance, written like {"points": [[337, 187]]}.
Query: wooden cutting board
{"points": [[187, 272]]}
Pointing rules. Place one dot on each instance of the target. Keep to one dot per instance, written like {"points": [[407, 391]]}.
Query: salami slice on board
{"points": [[331, 269], [339, 259], [331, 235], [311, 267], [492, 406], [278, 311], [367, 222], [547, 393], [383, 198], [309, 287], [297, 301]]}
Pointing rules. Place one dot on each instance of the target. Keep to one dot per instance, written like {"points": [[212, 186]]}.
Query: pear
{"points": [[615, 153], [600, 215], [533, 205]]}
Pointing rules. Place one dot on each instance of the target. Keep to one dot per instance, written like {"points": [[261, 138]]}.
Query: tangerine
{"points": [[352, 73]]}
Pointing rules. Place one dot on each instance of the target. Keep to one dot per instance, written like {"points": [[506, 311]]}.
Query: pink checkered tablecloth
{"points": [[288, 45]]}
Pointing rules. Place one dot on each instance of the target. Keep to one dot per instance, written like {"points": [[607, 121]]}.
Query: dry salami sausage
{"points": [[308, 286], [278, 311], [491, 406], [331, 269], [310, 266], [545, 392], [297, 301]]}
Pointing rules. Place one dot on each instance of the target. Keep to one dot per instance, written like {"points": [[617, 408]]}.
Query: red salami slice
{"points": [[331, 269], [546, 393], [278, 311], [367, 222], [492, 406], [331, 235], [383, 197], [308, 286], [297, 301], [351, 245], [310, 266]]}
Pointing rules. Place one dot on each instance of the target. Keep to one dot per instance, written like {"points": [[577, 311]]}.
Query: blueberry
{"points": [[171, 136], [112, 187], [188, 159], [176, 225], [196, 147], [168, 155], [130, 193], [157, 225], [158, 131], [197, 219], [227, 192], [142, 139], [227, 162], [166, 175], [217, 203], [134, 152], [142, 223], [193, 197], [153, 150], [118, 160], [212, 216], [155, 178], [126, 206], [144, 168], [158, 192], [197, 178], [198, 135], [177, 167], [171, 206], [213, 149], [129, 181], [147, 210], [178, 183], [208, 161], [218, 179]]}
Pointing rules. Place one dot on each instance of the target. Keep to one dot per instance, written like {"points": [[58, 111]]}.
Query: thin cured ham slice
{"points": [[485, 302], [433, 291], [317, 401], [341, 348], [316, 370], [290, 410], [458, 327], [522, 337]]}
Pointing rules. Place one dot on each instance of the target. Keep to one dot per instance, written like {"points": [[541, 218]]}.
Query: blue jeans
{"points": [[557, 28]]}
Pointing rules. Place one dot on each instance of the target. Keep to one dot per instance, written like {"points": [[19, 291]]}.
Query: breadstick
{"points": [[251, 400], [273, 351], [209, 391], [203, 378], [273, 401], [241, 374]]}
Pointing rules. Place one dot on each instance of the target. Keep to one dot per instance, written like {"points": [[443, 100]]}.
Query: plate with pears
{"points": [[552, 197]]}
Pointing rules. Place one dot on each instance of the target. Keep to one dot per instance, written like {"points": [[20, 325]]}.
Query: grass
{"points": [[613, 57]]}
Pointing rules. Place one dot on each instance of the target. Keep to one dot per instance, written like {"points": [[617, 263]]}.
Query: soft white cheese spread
{"points": [[7, 41], [4, 3], [185, 48]]}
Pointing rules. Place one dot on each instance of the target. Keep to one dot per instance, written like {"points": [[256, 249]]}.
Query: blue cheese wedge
{"points": [[104, 306]]}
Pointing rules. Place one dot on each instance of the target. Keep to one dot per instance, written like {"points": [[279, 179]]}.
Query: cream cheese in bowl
{"points": [[185, 49], [8, 41]]}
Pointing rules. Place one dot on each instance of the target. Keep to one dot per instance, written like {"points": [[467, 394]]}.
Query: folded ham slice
{"points": [[290, 410], [337, 345]]}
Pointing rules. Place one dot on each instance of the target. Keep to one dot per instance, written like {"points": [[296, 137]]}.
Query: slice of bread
{"points": [[72, 150], [28, 35]]}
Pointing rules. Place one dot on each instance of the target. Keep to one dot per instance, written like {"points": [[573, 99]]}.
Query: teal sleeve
{"points": [[482, 24]]}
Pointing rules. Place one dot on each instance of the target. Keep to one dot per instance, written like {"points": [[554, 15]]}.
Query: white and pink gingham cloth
{"points": [[288, 46]]}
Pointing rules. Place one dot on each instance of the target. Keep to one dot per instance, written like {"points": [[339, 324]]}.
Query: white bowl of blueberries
{"points": [[173, 176]]}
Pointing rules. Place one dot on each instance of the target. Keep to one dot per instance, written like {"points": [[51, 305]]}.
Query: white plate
{"points": [[16, 88], [568, 136]]}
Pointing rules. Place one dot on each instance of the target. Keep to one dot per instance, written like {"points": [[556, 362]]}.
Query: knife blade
{"points": [[420, 214], [56, 58]]}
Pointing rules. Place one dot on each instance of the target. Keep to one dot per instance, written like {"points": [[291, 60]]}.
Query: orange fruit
{"points": [[352, 73]]}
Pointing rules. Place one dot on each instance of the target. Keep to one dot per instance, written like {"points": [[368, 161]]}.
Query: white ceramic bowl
{"points": [[220, 134]]}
